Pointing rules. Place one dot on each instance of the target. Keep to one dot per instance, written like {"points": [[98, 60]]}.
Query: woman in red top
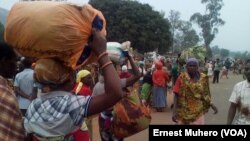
{"points": [[192, 98], [160, 78], [83, 83], [83, 87]]}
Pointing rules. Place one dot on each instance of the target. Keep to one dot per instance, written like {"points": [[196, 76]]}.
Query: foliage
{"points": [[241, 55], [139, 23], [174, 18], [224, 53], [209, 21], [198, 52], [215, 50], [187, 36], [184, 36], [1, 32]]}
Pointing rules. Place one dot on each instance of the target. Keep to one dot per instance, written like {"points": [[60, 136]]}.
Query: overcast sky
{"points": [[234, 35]]}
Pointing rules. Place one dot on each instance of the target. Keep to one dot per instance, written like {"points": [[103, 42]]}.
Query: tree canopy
{"points": [[139, 23], [241, 55], [183, 35], [224, 53], [209, 21]]}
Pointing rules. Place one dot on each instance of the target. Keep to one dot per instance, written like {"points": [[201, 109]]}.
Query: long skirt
{"points": [[210, 72], [146, 93], [159, 97]]}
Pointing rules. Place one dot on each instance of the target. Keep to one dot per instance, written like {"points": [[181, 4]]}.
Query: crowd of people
{"points": [[60, 105], [46, 100]]}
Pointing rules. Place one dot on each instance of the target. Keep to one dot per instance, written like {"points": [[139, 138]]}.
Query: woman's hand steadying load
{"points": [[113, 91], [98, 44]]}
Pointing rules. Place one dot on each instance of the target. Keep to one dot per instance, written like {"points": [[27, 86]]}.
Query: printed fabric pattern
{"points": [[194, 98], [130, 116]]}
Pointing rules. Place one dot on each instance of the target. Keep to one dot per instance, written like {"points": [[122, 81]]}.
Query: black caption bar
{"points": [[195, 132]]}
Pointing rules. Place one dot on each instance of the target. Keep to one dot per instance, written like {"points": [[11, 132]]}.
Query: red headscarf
{"points": [[158, 65]]}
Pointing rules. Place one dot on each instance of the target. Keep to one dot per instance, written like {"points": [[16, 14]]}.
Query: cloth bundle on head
{"points": [[115, 52], [124, 68], [124, 73], [50, 71], [49, 29], [127, 49], [158, 65], [81, 74]]}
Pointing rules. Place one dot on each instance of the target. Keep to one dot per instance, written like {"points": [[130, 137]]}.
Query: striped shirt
{"points": [[11, 125], [56, 113]]}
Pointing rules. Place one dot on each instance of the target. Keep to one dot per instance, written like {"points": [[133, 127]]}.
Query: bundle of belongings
{"points": [[45, 29], [118, 52], [55, 35]]}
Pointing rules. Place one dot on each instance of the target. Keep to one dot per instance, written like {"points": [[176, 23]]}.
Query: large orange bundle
{"points": [[43, 29]]}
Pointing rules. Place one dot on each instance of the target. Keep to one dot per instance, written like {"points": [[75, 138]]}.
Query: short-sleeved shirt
{"points": [[241, 96], [194, 97], [25, 82], [56, 113], [217, 66]]}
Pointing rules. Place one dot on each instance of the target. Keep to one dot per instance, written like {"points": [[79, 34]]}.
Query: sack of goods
{"points": [[58, 30], [118, 51]]}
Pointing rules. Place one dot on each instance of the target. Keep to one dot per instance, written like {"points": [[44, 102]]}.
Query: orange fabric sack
{"points": [[45, 29]]}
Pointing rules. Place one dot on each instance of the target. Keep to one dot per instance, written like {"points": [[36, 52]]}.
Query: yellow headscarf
{"points": [[81, 74]]}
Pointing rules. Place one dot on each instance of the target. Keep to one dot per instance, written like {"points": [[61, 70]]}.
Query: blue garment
{"points": [[25, 82], [159, 97]]}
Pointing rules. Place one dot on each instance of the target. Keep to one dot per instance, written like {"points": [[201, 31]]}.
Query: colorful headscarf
{"points": [[81, 74], [124, 68], [50, 71], [192, 61], [158, 65]]}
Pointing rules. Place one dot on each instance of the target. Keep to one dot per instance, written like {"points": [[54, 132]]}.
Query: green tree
{"points": [[215, 49], [209, 21], [174, 19], [139, 23], [246, 55], [224, 53], [1, 32], [183, 35], [188, 35], [241, 55]]}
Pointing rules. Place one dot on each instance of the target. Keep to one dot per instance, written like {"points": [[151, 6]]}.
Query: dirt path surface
{"points": [[220, 95]]}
